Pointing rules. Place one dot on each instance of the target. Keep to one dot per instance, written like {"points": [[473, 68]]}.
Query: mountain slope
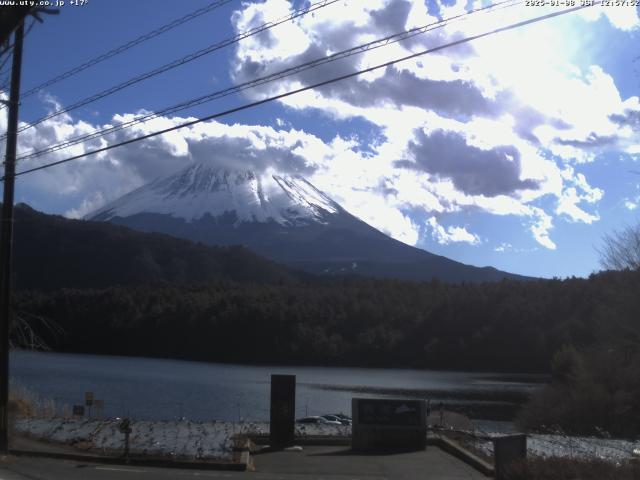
{"points": [[54, 252], [285, 219]]}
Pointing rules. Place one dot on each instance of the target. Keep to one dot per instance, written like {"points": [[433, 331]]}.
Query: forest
{"points": [[505, 326]]}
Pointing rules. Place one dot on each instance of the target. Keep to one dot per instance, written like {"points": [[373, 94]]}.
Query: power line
{"points": [[405, 35], [309, 87], [5, 83], [181, 61], [7, 50], [126, 46]]}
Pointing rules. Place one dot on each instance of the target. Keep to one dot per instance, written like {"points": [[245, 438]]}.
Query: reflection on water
{"points": [[149, 388]]}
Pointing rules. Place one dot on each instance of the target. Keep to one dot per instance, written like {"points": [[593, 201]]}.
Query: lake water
{"points": [[148, 388]]}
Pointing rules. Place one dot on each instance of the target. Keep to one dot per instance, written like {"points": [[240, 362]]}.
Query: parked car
{"points": [[308, 420], [337, 419], [329, 420], [325, 420]]}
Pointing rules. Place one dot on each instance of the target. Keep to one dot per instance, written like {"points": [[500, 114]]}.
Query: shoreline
{"points": [[537, 376]]}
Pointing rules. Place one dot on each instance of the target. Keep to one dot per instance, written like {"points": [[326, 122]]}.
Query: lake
{"points": [[154, 389]]}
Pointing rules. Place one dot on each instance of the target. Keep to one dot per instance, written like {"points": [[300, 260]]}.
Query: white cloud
{"points": [[503, 247], [451, 234], [514, 101], [541, 227], [493, 126], [622, 17], [89, 204], [577, 191], [389, 219]]}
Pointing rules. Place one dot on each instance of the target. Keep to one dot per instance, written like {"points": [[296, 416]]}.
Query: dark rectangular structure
{"points": [[283, 409], [506, 450], [380, 424]]}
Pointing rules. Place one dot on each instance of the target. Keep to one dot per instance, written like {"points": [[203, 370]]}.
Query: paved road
{"points": [[327, 463], [340, 462]]}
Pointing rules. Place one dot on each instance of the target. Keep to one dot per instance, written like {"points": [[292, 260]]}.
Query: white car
{"points": [[328, 421], [334, 419], [317, 419]]}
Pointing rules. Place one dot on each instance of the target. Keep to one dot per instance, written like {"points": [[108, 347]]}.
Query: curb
{"points": [[462, 453], [241, 463], [242, 459], [306, 440]]}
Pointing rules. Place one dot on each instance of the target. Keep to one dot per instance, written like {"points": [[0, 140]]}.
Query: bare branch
{"points": [[24, 334], [621, 249]]}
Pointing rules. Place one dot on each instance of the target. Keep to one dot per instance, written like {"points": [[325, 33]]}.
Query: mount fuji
{"points": [[284, 218]]}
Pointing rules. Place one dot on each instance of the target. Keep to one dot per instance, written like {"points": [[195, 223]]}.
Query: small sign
{"points": [[99, 404], [88, 398], [389, 412], [78, 410], [125, 426]]}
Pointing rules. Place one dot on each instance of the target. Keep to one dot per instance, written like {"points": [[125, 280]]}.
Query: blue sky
{"points": [[514, 151]]}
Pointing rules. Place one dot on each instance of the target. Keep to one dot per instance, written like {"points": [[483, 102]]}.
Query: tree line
{"points": [[504, 326]]}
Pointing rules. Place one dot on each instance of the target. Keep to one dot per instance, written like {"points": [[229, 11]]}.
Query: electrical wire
{"points": [[126, 46], [9, 48], [179, 62], [405, 35], [309, 87], [5, 60], [4, 85]]}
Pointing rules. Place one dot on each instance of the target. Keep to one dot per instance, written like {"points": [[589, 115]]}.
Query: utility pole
{"points": [[6, 237]]}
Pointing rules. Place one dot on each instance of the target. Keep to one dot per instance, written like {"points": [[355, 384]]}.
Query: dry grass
{"points": [[24, 403], [21, 404], [555, 468]]}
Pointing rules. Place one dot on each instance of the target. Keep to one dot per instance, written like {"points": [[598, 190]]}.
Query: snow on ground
{"points": [[177, 439], [576, 447], [213, 440]]}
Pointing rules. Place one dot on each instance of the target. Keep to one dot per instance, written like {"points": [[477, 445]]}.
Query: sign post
{"points": [[125, 427], [283, 409], [99, 404], [88, 401]]}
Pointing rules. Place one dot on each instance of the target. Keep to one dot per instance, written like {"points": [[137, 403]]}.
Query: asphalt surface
{"points": [[340, 462], [311, 463]]}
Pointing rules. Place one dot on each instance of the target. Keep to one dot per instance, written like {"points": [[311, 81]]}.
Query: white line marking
{"points": [[112, 469]]}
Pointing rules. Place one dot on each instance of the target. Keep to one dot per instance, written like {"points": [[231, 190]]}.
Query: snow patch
{"points": [[607, 449], [177, 439]]}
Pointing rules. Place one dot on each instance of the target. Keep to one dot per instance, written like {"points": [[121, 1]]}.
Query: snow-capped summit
{"points": [[283, 218], [203, 189]]}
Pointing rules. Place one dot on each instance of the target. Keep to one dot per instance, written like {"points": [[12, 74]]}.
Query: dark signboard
{"points": [[283, 409], [78, 410], [380, 424], [389, 412], [506, 451]]}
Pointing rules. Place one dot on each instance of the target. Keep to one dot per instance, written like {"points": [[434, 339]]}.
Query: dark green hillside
{"points": [[509, 325], [54, 252]]}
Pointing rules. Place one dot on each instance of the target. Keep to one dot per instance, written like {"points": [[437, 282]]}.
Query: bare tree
{"points": [[621, 249], [23, 334]]}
